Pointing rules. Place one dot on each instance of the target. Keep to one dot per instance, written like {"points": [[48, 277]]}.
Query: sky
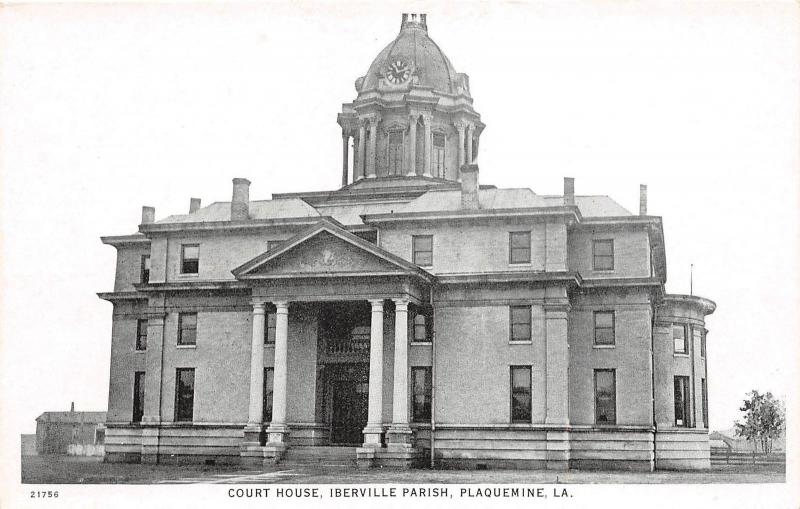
{"points": [[105, 108]]}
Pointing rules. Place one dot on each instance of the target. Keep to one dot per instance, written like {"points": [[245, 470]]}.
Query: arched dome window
{"points": [[437, 155], [395, 152]]}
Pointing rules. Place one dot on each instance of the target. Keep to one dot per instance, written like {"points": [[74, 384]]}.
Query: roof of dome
{"points": [[430, 66]]}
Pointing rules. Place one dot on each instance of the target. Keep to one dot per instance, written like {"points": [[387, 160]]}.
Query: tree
{"points": [[763, 420]]}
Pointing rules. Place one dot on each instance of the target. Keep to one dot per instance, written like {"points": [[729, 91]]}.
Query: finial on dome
{"points": [[414, 21]]}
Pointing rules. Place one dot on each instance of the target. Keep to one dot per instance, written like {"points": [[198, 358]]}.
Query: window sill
{"points": [[520, 264], [685, 355], [603, 271], [183, 347], [188, 275], [520, 342], [604, 347], [421, 343], [140, 351], [269, 345]]}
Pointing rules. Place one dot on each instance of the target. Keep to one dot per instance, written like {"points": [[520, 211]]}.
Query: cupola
{"points": [[412, 117]]}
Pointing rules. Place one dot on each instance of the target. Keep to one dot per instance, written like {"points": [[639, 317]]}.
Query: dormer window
{"points": [[395, 152], [437, 155]]}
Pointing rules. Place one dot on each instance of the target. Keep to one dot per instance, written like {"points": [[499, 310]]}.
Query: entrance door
{"points": [[350, 403]]}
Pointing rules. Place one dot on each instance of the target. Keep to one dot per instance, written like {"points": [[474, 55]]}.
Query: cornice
{"points": [[567, 278], [125, 240], [121, 296], [571, 213], [248, 224]]}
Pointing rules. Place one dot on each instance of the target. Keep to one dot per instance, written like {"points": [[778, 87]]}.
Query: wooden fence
{"points": [[724, 456]]}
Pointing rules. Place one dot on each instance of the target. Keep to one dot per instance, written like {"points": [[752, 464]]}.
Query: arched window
{"points": [[437, 157], [395, 153]]}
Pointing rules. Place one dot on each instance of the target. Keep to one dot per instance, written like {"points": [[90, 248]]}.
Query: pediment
{"points": [[325, 251]]}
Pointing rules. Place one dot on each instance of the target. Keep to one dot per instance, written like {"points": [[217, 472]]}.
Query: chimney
{"points": [[240, 203], [642, 199], [72, 406], [148, 214], [469, 187], [194, 204], [569, 191]]}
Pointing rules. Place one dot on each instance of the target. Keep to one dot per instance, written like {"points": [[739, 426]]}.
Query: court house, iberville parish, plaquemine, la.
{"points": [[410, 315]]}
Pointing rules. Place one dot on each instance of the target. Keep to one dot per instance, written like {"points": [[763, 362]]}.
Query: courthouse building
{"points": [[412, 315]]}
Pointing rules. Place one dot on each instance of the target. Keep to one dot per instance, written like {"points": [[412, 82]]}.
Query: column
{"points": [[345, 155], [151, 419], [412, 147], [557, 393], [460, 127], [373, 145], [427, 169], [374, 429], [256, 412], [277, 428], [470, 133], [400, 432], [362, 133]]}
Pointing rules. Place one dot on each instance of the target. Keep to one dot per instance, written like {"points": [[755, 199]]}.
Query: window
{"points": [[184, 394], [603, 254], [145, 269], [604, 323], [682, 406], [268, 388], [138, 396], [187, 328], [520, 318], [422, 250], [190, 258], [519, 247], [141, 335], [437, 156], [605, 396], [521, 394], [705, 401], [700, 337], [679, 338], [396, 153], [269, 327], [421, 327], [421, 388]]}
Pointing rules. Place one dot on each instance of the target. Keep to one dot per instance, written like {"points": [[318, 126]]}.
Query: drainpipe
{"points": [[433, 381], [653, 376]]}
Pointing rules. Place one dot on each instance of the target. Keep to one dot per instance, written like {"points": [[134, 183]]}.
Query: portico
{"points": [[341, 305]]}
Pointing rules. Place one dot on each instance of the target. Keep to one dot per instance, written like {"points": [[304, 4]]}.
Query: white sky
{"points": [[108, 108]]}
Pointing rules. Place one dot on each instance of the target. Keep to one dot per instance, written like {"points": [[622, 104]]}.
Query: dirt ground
{"points": [[75, 470]]}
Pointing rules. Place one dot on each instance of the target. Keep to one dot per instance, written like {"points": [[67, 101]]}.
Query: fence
{"points": [[724, 456]]}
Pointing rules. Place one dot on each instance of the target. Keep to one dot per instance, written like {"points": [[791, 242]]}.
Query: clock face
{"points": [[398, 72]]}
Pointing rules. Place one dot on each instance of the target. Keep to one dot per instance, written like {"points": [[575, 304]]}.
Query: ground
{"points": [[75, 470]]}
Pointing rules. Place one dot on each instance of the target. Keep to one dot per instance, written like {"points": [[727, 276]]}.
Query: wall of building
{"points": [[129, 266], [460, 247], [125, 360], [631, 252], [474, 355], [630, 356]]}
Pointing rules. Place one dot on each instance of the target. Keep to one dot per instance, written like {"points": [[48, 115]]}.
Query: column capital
{"points": [[460, 125], [426, 117], [281, 306], [258, 306], [400, 304], [376, 304]]}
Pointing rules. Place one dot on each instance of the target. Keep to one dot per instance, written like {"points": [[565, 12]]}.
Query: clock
{"points": [[398, 72]]}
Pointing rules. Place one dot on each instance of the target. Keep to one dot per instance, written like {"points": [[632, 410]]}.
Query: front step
{"points": [[320, 455]]}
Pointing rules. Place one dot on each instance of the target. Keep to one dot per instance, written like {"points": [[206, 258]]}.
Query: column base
{"points": [[411, 174], [557, 450], [399, 435], [365, 457], [151, 437], [371, 176], [277, 434], [372, 435], [253, 434]]}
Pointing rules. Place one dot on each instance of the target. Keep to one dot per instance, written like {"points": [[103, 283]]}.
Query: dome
{"points": [[415, 52]]}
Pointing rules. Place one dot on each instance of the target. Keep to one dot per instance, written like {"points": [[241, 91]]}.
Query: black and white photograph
{"points": [[405, 254]]}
